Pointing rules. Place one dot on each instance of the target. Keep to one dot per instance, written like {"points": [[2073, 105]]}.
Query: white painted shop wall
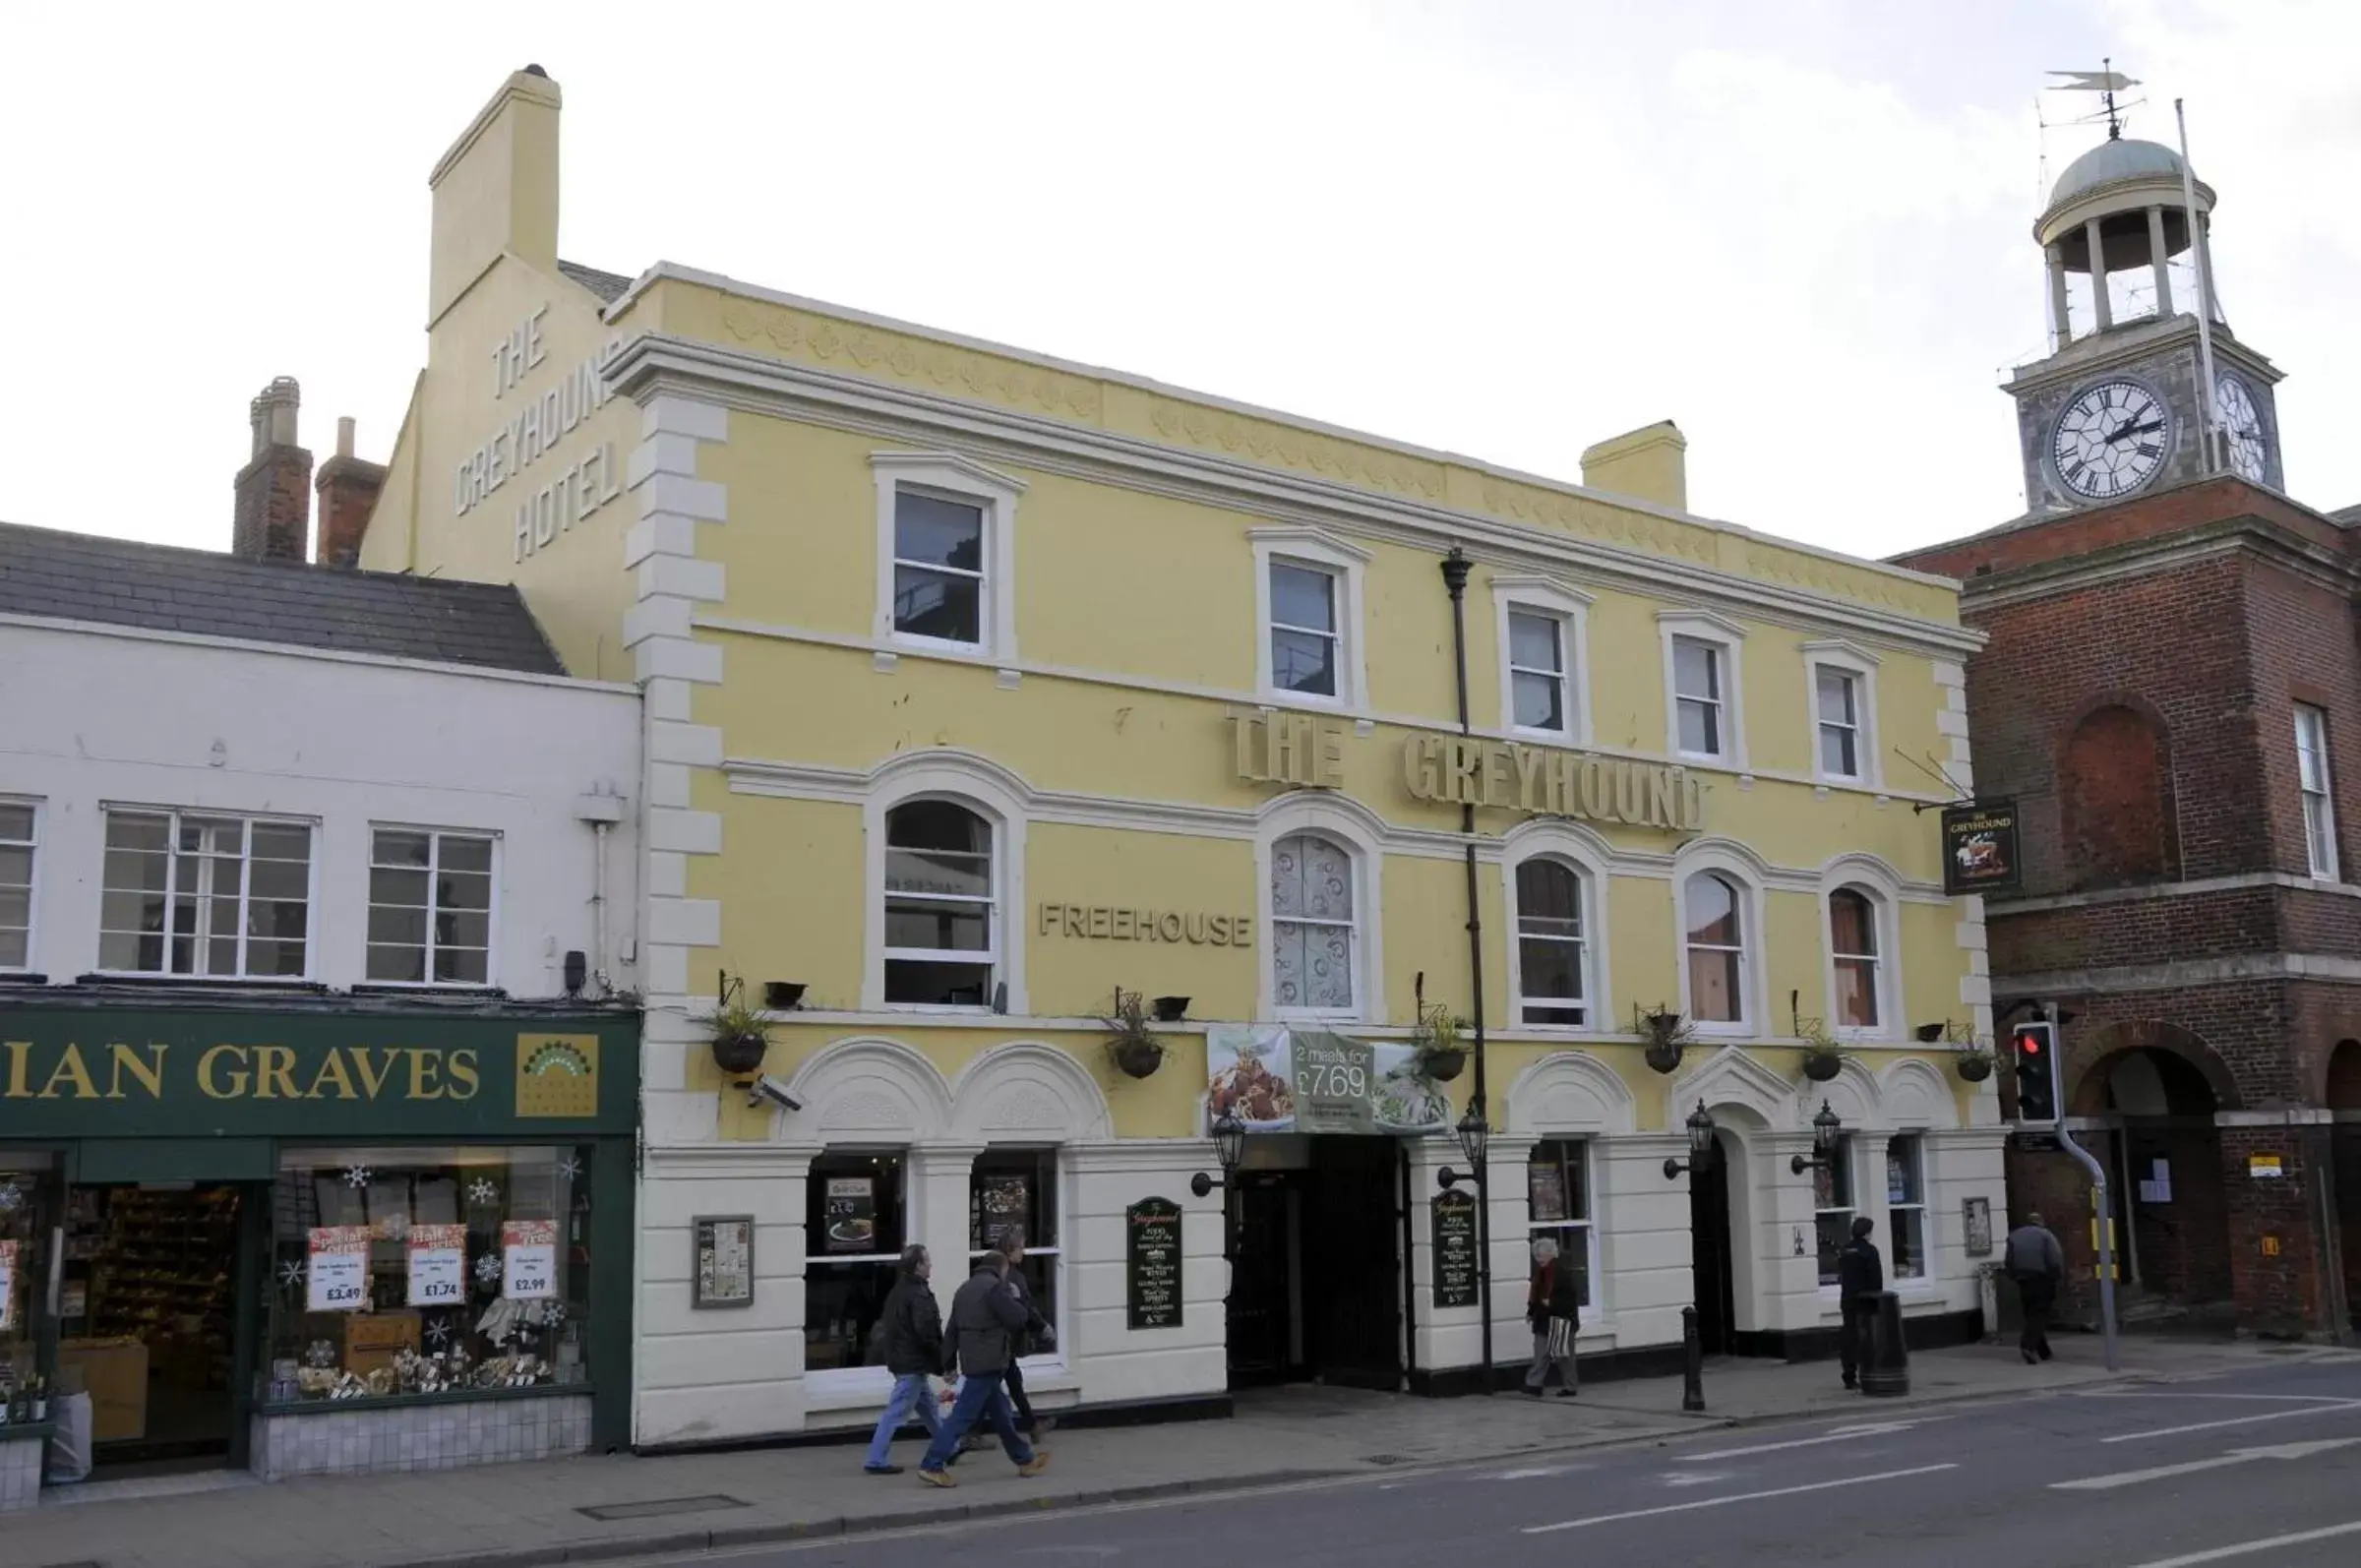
{"points": [[103, 714], [712, 1375], [1642, 1254]]}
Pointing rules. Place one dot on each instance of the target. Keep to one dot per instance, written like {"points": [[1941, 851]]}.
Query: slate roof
{"points": [[163, 588], [608, 286]]}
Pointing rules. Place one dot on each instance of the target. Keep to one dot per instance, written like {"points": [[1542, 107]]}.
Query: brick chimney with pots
{"points": [[349, 488], [275, 487]]}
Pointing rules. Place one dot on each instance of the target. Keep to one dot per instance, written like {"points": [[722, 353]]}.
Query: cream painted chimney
{"points": [[497, 190], [1649, 463]]}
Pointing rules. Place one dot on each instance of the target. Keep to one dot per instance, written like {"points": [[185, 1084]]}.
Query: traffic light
{"points": [[2036, 1072]]}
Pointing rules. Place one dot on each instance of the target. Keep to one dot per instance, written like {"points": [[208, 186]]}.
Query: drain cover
{"points": [[655, 1507], [1385, 1459]]}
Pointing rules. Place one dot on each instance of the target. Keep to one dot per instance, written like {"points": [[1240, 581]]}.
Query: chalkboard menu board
{"points": [[1454, 1215], [852, 1215], [1152, 1263]]}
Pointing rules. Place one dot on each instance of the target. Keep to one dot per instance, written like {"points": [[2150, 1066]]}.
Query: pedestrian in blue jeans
{"points": [[909, 1336], [984, 1318]]}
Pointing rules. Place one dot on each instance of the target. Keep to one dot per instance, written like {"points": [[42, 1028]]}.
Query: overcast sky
{"points": [[1508, 229]]}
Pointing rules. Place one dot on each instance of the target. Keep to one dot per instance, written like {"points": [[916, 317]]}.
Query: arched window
{"points": [[2115, 790], [1716, 940], [1314, 936], [1852, 948], [942, 927], [1552, 961]]}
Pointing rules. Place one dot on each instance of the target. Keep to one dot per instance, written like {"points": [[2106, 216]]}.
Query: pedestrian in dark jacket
{"points": [[910, 1337], [2035, 1262], [1860, 1279], [984, 1320], [1554, 1307], [1036, 1334]]}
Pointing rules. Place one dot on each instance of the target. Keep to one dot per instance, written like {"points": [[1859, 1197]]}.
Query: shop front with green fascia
{"points": [[314, 1240]]}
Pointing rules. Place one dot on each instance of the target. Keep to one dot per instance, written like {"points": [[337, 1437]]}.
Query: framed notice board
{"points": [[725, 1261], [1454, 1220], [1152, 1292]]}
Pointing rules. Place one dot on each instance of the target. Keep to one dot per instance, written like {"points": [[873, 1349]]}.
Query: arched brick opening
{"points": [[2342, 1097], [2157, 1086], [2115, 797]]}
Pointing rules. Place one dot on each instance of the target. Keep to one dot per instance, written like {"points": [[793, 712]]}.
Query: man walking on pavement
{"points": [[1037, 1334], [984, 1318], [1554, 1307], [2037, 1264], [910, 1332], [1860, 1279]]}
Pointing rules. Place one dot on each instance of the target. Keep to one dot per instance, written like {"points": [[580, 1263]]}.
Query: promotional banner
{"points": [[530, 1252], [337, 1271], [438, 1265], [1274, 1078]]}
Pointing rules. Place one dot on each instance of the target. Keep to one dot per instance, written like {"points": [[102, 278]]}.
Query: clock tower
{"points": [[2118, 407]]}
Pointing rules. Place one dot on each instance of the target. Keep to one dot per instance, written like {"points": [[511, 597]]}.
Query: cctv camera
{"points": [[771, 1089]]}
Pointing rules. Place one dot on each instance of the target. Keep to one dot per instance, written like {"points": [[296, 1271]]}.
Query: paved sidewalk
{"points": [[512, 1516]]}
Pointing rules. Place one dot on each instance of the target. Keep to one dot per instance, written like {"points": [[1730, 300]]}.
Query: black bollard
{"points": [[1692, 1362], [1888, 1367]]}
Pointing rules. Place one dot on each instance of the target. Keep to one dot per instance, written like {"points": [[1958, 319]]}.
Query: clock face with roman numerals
{"points": [[2111, 440], [2242, 428]]}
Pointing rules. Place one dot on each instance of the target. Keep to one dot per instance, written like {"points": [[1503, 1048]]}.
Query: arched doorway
{"points": [[2156, 1094], [1712, 1252], [2343, 1099]]}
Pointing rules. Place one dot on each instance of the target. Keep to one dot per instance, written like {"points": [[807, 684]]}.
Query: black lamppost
{"points": [[1474, 1136], [1827, 1128], [1703, 1151], [1701, 1131]]}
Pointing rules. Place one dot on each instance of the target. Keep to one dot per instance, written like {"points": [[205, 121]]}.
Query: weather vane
{"points": [[2106, 81]]}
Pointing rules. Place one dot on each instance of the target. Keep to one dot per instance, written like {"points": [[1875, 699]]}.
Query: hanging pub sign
{"points": [[1152, 1263], [1273, 1079], [1980, 848], [1454, 1224]]}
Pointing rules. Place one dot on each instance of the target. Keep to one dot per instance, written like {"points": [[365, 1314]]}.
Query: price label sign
{"points": [[530, 1252], [438, 1265], [338, 1272]]}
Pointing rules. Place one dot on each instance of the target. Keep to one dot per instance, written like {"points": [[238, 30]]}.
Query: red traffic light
{"points": [[2028, 1042]]}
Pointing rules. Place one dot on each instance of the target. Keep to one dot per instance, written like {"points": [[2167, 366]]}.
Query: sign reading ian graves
{"points": [[1152, 1263], [107, 1073], [1454, 1224]]}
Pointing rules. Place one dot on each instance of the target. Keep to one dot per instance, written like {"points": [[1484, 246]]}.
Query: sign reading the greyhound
{"points": [[1273, 1079], [1980, 848]]}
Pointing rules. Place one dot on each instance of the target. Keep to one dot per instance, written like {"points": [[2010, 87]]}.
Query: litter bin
{"points": [[1887, 1370]]}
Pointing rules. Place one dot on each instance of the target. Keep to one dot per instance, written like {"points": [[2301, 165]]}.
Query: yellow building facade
{"points": [[982, 686]]}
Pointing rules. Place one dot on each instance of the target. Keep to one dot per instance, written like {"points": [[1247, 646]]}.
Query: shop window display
{"points": [[853, 1229], [425, 1272], [1012, 1198], [24, 1374]]}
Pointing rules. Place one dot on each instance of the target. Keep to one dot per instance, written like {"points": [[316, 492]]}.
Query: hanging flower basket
{"points": [[1665, 1036], [741, 1036], [1131, 1046], [1822, 1065], [1437, 1041], [739, 1054], [1975, 1067]]}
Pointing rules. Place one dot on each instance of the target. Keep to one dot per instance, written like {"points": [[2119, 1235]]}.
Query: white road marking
{"points": [[1738, 1497], [1843, 1434], [1534, 1472], [2282, 1399], [2246, 1549], [2236, 1420], [1697, 1478], [2236, 1456]]}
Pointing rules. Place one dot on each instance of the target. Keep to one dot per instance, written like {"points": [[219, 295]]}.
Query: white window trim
{"points": [[1322, 552], [1699, 626], [980, 790], [1324, 819], [1924, 1280], [1862, 665], [1882, 884], [1570, 607], [964, 480], [1544, 840], [492, 953], [312, 938], [1595, 1312], [1748, 878], [1849, 1156], [33, 890], [2328, 793], [1049, 1361]]}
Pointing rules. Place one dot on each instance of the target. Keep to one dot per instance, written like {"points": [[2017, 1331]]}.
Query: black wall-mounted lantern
{"points": [[1229, 1147], [1703, 1130], [1475, 1137], [1826, 1129]]}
